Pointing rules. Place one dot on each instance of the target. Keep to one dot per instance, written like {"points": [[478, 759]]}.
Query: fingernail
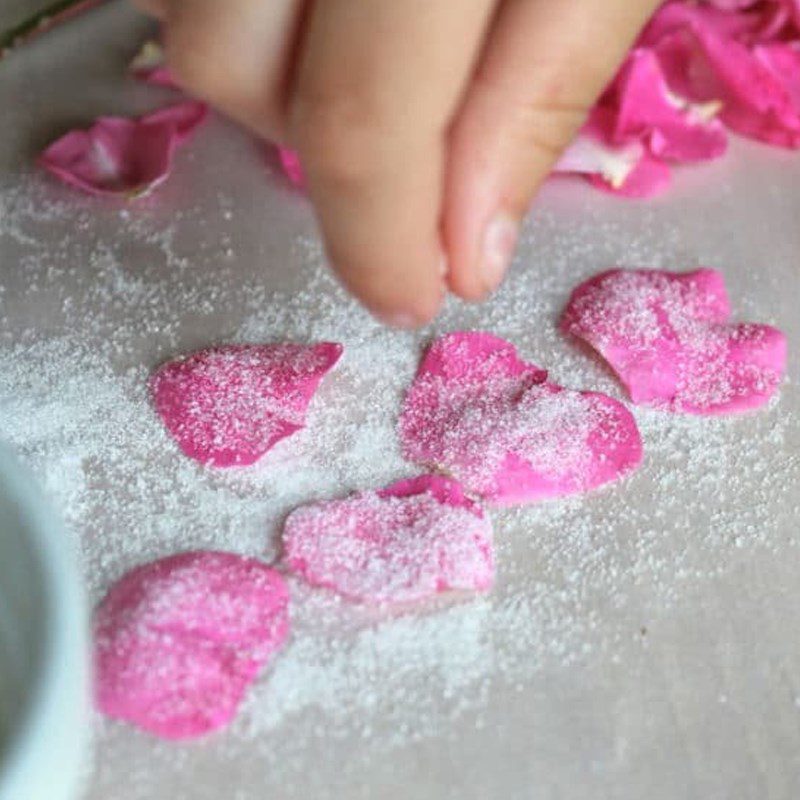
{"points": [[499, 242]]}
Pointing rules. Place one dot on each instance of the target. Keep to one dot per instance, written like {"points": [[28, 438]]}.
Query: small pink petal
{"points": [[667, 337], [121, 156], [650, 177], [227, 406], [402, 544], [290, 161], [149, 66], [178, 641], [478, 412], [674, 129], [618, 167]]}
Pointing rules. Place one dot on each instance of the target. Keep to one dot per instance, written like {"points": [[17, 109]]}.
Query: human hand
{"points": [[424, 128]]}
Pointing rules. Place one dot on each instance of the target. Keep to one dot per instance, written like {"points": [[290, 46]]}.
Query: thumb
{"points": [[544, 65]]}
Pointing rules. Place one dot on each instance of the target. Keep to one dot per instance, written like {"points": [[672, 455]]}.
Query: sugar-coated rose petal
{"points": [[121, 156], [675, 129], [493, 422], [290, 161], [178, 641], [667, 337], [402, 544], [228, 405], [149, 66]]}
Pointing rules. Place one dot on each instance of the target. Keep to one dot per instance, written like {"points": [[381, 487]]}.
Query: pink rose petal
{"points": [[290, 161], [149, 66], [120, 156], [703, 59], [667, 337], [478, 412], [402, 544], [674, 129], [178, 641], [227, 406], [618, 167]]}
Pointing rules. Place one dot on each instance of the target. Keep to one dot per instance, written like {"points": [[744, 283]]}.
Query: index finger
{"points": [[376, 86]]}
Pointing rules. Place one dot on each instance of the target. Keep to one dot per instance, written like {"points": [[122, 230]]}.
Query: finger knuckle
{"points": [[342, 136]]}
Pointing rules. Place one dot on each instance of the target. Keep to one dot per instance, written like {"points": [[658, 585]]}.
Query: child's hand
{"points": [[424, 126]]}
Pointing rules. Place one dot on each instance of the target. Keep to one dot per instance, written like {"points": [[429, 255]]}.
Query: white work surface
{"points": [[641, 642]]}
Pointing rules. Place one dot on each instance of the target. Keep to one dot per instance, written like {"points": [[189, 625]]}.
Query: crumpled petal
{"points": [[494, 422], [227, 406], [121, 156], [405, 543], [623, 168], [703, 60], [178, 641], [675, 129], [149, 66], [668, 338]]}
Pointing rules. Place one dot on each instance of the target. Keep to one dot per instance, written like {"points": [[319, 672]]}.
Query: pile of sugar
{"points": [[118, 295]]}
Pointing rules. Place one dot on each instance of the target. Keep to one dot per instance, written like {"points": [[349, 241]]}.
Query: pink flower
{"points": [[121, 156]]}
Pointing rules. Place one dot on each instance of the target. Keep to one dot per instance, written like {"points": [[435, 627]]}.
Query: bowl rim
{"points": [[62, 673]]}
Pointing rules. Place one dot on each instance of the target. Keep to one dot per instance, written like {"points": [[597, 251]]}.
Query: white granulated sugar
{"points": [[122, 291]]}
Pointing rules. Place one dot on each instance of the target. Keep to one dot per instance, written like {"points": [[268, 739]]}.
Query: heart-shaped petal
{"points": [[227, 406], [178, 641], [666, 335], [404, 543], [478, 412], [121, 156]]}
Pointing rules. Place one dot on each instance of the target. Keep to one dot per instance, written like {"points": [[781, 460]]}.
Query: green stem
{"points": [[42, 21]]}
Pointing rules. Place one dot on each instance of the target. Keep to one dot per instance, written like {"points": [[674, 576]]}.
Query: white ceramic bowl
{"points": [[44, 724]]}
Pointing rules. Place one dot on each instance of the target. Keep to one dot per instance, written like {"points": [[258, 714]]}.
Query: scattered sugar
{"points": [[117, 294]]}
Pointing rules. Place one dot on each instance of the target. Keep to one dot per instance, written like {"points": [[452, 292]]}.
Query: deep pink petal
{"points": [[227, 406], [478, 412], [666, 335], [177, 642], [401, 544], [290, 161], [674, 129], [121, 156], [705, 57]]}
